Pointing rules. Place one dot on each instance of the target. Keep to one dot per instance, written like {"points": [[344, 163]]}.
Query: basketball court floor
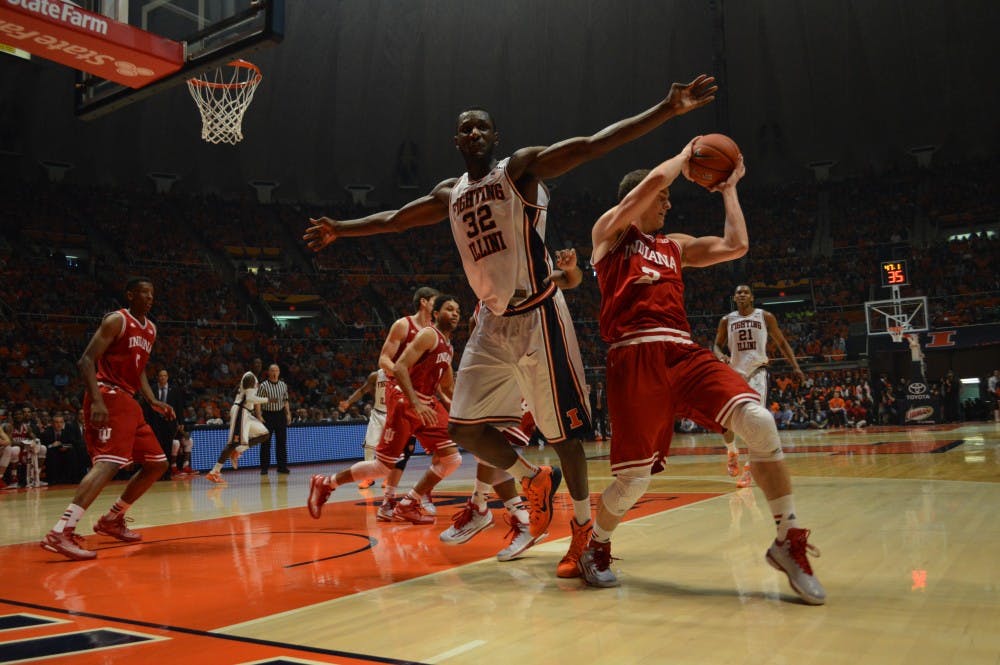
{"points": [[905, 520]]}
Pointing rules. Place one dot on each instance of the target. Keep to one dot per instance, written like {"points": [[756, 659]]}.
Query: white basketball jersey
{"points": [[380, 381], [747, 341], [500, 237]]}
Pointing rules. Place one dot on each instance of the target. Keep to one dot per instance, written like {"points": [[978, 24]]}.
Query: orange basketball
{"points": [[713, 159]]}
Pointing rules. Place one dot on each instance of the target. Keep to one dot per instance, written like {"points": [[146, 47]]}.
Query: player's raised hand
{"points": [[565, 258], [685, 154], [321, 233], [734, 177], [684, 97]]}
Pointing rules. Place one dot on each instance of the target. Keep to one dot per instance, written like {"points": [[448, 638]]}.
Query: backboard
{"points": [[909, 314], [212, 33]]}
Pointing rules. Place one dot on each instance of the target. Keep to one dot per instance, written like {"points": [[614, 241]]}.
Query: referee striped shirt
{"points": [[273, 391]]}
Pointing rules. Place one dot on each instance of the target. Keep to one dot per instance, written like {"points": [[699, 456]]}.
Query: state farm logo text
{"points": [[65, 12]]}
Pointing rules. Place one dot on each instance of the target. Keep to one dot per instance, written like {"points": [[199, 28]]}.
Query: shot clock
{"points": [[894, 273]]}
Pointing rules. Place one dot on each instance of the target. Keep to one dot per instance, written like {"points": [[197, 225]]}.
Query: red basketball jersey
{"points": [[426, 373], [411, 331], [125, 359], [641, 286]]}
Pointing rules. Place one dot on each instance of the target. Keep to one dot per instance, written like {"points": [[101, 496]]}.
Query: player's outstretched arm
{"points": [[557, 159], [426, 210]]}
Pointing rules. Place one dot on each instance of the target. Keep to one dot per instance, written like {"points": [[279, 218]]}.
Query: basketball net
{"points": [[896, 333], [222, 102]]}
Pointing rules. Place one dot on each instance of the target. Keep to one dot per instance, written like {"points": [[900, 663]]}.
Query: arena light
{"points": [[782, 301], [973, 381]]}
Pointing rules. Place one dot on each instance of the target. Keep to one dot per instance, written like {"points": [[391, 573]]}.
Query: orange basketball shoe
{"points": [[539, 491], [569, 564]]}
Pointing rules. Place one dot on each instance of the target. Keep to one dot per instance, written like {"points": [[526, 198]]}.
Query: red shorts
{"points": [[402, 422], [520, 435], [125, 437], [651, 384]]}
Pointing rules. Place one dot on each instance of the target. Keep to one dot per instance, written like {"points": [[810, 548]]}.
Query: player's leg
{"points": [[595, 561], [445, 460], [789, 551], [476, 515], [215, 475], [758, 381], [7, 453], [554, 388], [642, 439], [486, 391], [373, 434], [148, 454]]}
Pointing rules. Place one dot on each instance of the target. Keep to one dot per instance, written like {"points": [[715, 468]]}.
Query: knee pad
{"points": [[627, 488], [755, 425], [447, 465]]}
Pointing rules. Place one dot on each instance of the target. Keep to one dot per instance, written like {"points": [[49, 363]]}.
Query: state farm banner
{"points": [[62, 32]]}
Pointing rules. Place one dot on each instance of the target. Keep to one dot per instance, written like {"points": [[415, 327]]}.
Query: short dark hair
{"points": [[441, 300], [428, 292], [631, 181], [740, 286], [478, 109], [134, 282]]}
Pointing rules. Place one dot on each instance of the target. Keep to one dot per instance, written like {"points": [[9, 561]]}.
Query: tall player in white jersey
{"points": [[745, 332], [524, 343]]}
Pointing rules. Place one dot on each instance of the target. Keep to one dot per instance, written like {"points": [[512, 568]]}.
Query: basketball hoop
{"points": [[896, 333], [222, 103]]}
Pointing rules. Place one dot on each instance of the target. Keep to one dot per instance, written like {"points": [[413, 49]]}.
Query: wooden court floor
{"points": [[905, 519]]}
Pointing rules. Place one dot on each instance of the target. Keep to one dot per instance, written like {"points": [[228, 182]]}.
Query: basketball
{"points": [[713, 159]]}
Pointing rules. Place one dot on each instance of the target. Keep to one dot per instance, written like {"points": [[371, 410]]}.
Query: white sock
{"points": [[119, 507], [581, 510], [481, 495], [515, 507], [69, 518], [217, 468], [600, 535], [783, 509], [731, 447], [522, 468]]}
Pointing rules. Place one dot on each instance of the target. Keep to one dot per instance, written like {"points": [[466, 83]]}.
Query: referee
{"points": [[277, 414]]}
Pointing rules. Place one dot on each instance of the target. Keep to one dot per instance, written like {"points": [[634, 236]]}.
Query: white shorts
{"points": [[534, 356], [376, 423], [758, 381], [250, 426]]}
